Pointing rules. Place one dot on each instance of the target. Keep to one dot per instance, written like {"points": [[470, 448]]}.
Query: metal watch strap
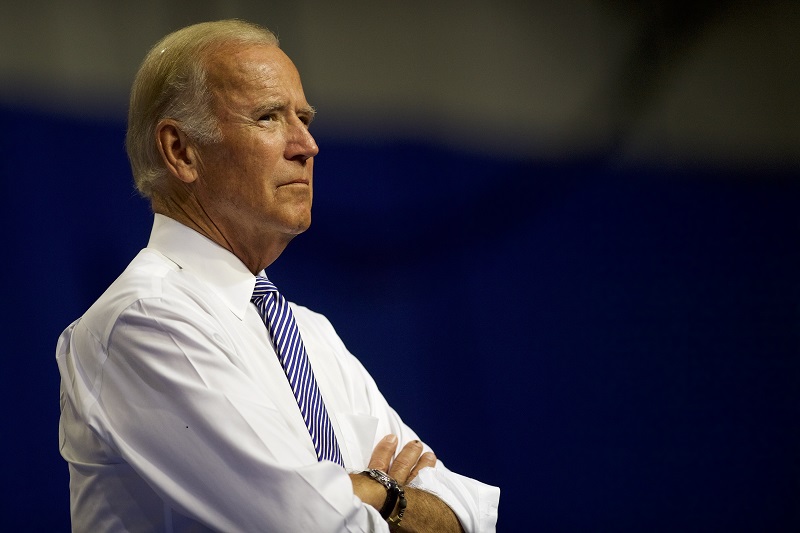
{"points": [[392, 490]]}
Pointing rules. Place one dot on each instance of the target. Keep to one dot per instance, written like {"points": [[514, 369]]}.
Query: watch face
{"points": [[381, 477]]}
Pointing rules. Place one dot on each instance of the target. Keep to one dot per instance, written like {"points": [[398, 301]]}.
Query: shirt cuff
{"points": [[474, 503]]}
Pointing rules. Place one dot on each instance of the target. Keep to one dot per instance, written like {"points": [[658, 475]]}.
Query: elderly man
{"points": [[194, 396]]}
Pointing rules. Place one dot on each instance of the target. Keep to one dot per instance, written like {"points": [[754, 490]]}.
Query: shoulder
{"points": [[144, 277], [148, 276], [318, 333], [320, 337], [312, 322]]}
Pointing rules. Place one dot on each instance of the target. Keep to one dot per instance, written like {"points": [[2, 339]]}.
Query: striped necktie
{"points": [[279, 319]]}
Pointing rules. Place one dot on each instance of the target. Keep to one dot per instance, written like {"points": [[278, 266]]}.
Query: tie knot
{"points": [[263, 287]]}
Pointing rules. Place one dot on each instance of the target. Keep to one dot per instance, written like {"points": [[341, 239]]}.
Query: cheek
{"points": [[247, 172], [244, 170]]}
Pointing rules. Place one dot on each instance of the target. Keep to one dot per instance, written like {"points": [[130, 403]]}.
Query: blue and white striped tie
{"points": [[279, 319]]}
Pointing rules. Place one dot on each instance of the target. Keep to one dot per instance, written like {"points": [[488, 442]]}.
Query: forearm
{"points": [[426, 512]]}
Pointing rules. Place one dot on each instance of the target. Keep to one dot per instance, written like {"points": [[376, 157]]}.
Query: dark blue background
{"points": [[617, 349]]}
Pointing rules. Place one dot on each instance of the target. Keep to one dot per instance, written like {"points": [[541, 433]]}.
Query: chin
{"points": [[300, 227]]}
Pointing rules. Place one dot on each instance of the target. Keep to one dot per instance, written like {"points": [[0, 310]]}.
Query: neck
{"points": [[257, 251]]}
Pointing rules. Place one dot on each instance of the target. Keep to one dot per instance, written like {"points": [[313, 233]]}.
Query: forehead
{"points": [[252, 71]]}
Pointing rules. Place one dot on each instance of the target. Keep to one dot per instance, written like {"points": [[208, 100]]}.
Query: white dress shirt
{"points": [[176, 414]]}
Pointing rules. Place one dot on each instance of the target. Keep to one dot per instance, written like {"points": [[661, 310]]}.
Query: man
{"points": [[194, 398]]}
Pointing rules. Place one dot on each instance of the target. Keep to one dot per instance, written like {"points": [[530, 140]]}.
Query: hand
{"points": [[403, 469], [424, 511], [408, 462]]}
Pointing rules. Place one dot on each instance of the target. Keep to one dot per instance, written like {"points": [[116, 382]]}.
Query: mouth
{"points": [[299, 181]]}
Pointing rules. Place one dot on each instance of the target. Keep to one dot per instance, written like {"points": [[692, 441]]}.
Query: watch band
{"points": [[393, 490], [401, 509]]}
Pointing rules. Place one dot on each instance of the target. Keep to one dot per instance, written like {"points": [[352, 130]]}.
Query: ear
{"points": [[178, 154]]}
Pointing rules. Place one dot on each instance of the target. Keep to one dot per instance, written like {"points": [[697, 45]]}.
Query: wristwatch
{"points": [[392, 490]]}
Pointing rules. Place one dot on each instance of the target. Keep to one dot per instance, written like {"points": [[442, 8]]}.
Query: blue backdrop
{"points": [[618, 350]]}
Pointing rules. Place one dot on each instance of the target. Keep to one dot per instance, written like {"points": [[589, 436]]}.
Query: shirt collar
{"points": [[220, 269]]}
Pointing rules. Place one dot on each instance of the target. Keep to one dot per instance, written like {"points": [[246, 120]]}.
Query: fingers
{"points": [[408, 462], [383, 453], [405, 461], [427, 459]]}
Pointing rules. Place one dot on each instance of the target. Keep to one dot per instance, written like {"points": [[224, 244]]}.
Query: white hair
{"points": [[172, 83]]}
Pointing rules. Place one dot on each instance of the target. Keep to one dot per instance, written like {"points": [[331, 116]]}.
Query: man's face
{"points": [[255, 186]]}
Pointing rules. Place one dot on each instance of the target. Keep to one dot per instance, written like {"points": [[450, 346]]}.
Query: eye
{"points": [[268, 117], [306, 119]]}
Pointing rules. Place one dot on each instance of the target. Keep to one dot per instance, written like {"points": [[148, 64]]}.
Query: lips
{"points": [[299, 181]]}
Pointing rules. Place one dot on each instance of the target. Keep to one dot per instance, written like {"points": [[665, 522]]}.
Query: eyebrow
{"points": [[309, 111]]}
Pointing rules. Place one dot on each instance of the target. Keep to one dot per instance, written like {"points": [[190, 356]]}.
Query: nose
{"points": [[300, 145]]}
